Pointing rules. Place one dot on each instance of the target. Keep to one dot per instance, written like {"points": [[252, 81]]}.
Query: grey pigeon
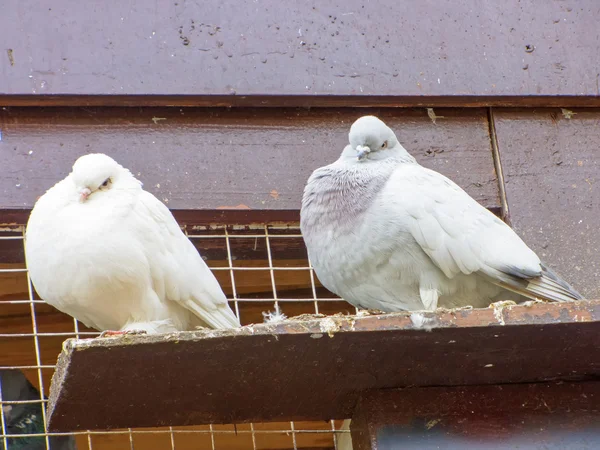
{"points": [[26, 418], [110, 254], [385, 233]]}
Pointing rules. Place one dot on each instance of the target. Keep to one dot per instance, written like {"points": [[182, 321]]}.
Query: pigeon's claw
{"points": [[112, 333]]}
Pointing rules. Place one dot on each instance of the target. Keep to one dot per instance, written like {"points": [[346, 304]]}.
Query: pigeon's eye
{"points": [[384, 145], [105, 184]]}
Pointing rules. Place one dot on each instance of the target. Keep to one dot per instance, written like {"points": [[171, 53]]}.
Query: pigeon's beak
{"points": [[84, 194], [362, 151]]}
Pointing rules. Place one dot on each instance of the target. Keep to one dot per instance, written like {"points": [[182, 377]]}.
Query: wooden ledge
{"points": [[312, 368]]}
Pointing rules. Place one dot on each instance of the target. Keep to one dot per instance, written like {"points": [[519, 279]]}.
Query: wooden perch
{"points": [[314, 367]]}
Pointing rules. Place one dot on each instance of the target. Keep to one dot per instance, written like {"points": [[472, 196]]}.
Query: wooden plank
{"points": [[165, 52], [206, 164], [551, 165], [312, 369], [525, 416], [298, 101]]}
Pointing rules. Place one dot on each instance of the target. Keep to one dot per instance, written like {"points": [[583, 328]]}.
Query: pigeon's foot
{"points": [[109, 333]]}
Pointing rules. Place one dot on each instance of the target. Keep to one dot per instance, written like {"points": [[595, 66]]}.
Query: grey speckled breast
{"points": [[338, 194]]}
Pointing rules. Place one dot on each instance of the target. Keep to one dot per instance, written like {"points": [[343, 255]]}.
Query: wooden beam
{"points": [[550, 162], [312, 53], [300, 101], [525, 416], [220, 165], [312, 369]]}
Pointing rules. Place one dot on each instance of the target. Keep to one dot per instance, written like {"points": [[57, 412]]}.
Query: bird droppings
{"points": [[498, 308], [433, 116], [530, 303], [420, 321], [369, 312], [11, 57], [567, 114], [454, 310], [488, 365], [303, 317], [329, 326], [316, 335]]}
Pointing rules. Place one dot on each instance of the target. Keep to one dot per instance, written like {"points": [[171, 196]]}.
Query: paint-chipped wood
{"points": [[551, 168], [314, 368], [215, 165], [308, 53]]}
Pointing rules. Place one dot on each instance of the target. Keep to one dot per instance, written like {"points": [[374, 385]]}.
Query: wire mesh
{"points": [[260, 268]]}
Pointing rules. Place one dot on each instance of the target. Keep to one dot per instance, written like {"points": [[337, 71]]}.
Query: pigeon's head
{"points": [[369, 136], [96, 173]]}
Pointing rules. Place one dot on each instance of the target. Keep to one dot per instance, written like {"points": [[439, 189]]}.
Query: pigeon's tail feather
{"points": [[551, 287], [548, 286], [549, 274], [221, 317]]}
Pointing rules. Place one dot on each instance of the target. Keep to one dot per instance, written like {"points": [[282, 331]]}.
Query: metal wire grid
{"points": [[236, 254]]}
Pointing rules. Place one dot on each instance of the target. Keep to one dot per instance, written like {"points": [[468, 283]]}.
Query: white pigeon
{"points": [[385, 233], [103, 250]]}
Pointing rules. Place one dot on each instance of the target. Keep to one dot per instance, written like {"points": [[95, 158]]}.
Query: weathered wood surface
{"points": [[235, 165], [526, 416], [551, 168], [311, 369], [309, 53]]}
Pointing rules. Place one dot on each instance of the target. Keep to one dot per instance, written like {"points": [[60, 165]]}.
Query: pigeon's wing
{"points": [[461, 236], [178, 272]]}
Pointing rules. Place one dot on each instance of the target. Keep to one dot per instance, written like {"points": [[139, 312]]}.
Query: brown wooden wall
{"points": [[248, 165], [328, 52], [201, 159]]}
